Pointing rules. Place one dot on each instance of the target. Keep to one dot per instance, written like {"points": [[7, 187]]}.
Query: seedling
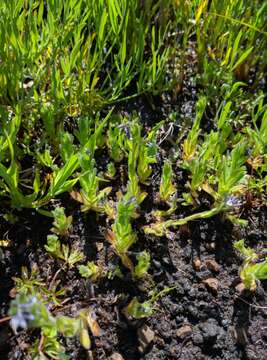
{"points": [[190, 144], [138, 310], [143, 264], [167, 189], [90, 271], [133, 144], [251, 271], [122, 235], [63, 252], [111, 171], [62, 223], [29, 283], [115, 139], [147, 156], [90, 196]]}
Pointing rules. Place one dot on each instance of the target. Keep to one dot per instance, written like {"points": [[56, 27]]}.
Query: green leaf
{"points": [[242, 58]]}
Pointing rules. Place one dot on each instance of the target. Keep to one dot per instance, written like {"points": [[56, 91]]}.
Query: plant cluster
{"points": [[67, 69]]}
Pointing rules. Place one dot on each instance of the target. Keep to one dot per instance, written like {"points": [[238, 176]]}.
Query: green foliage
{"points": [[62, 251], [231, 172], [67, 70], [226, 34], [90, 271], [90, 196], [9, 176], [60, 181], [48, 40], [30, 312], [111, 171], [160, 228], [147, 156], [132, 145], [62, 224], [167, 189], [29, 283], [115, 140], [190, 144], [124, 234], [139, 310], [143, 264], [250, 271]]}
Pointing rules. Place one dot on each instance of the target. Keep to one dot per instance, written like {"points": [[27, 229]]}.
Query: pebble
{"points": [[197, 264], [198, 338], [99, 246], [209, 330], [116, 356], [145, 337], [184, 331], [203, 274], [212, 284], [212, 265]]}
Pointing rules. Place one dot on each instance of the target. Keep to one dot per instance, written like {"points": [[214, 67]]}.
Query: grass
{"points": [[66, 67]]}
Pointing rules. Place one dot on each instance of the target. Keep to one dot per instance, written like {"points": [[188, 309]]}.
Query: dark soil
{"points": [[193, 321]]}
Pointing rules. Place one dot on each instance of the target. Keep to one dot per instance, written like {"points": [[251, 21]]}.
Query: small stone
{"points": [[197, 338], [116, 356], [211, 246], [240, 288], [212, 284], [210, 330], [99, 246], [212, 265], [184, 331], [145, 337], [197, 264]]}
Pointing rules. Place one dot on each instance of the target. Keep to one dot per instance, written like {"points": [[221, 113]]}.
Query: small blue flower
{"points": [[23, 315], [233, 201]]}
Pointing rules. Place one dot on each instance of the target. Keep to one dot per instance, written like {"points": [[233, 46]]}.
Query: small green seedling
{"points": [[90, 271], [250, 271], [122, 235], [167, 189], [147, 156], [30, 282], [191, 142], [62, 224], [90, 196], [110, 173], [143, 264], [137, 310], [133, 188], [63, 252], [115, 139]]}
